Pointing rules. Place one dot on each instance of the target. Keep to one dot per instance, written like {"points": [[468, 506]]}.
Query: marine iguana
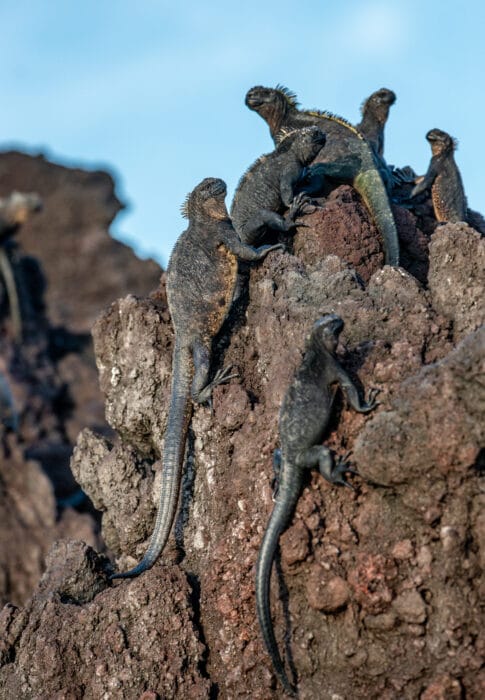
{"points": [[201, 277], [304, 417], [375, 111], [269, 185], [347, 157], [14, 211], [444, 179]]}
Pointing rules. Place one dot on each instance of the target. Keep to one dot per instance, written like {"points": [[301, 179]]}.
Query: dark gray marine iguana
{"points": [[14, 211], [269, 185], [304, 417], [375, 112], [201, 277], [444, 180], [347, 157]]}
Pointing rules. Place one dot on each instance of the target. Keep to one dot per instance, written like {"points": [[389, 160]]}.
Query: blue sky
{"points": [[155, 90]]}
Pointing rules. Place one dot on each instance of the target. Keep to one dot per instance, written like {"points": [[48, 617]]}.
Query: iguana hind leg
{"points": [[332, 470], [258, 224], [201, 387]]}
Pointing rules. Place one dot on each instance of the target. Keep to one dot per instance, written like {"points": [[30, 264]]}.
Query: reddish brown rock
{"points": [[296, 543], [82, 639], [328, 594], [341, 226], [457, 276], [410, 607], [403, 552], [443, 688]]}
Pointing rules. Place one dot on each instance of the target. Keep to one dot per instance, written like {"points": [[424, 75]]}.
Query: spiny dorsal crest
{"points": [[283, 134], [335, 118], [184, 207], [288, 95]]}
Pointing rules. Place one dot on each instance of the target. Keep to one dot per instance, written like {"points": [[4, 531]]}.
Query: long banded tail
{"points": [[179, 415], [6, 272], [280, 517], [371, 188]]}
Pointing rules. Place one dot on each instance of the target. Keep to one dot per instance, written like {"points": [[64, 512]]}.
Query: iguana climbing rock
{"points": [[269, 185], [304, 417], [14, 211], [201, 277], [375, 111], [347, 157], [444, 179]]}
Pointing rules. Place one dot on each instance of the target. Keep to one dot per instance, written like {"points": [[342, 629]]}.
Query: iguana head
{"points": [[440, 142], [379, 103], [206, 200], [326, 331], [271, 103], [306, 142]]}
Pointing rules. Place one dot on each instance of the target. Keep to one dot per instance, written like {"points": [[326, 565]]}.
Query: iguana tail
{"points": [[179, 415], [280, 517], [7, 273], [371, 188]]}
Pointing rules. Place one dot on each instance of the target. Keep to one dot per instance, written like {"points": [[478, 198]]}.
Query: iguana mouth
{"points": [[253, 101], [435, 135], [218, 188], [388, 98]]}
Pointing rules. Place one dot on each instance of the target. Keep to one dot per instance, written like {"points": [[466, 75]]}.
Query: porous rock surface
{"points": [[378, 589]]}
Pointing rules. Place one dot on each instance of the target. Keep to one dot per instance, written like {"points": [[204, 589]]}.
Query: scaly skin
{"points": [[304, 417], [375, 112], [201, 277], [444, 179], [269, 185], [347, 157], [14, 211]]}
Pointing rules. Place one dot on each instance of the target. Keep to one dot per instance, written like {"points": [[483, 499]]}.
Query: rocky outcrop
{"points": [[378, 589], [48, 385], [85, 267]]}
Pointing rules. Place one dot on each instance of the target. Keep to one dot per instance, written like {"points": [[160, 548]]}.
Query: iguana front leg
{"points": [[246, 252], [424, 183], [352, 394], [302, 204]]}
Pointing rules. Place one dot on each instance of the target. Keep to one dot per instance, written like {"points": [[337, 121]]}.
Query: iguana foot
{"points": [[371, 402], [340, 469], [405, 175], [221, 377], [265, 249], [301, 204]]}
